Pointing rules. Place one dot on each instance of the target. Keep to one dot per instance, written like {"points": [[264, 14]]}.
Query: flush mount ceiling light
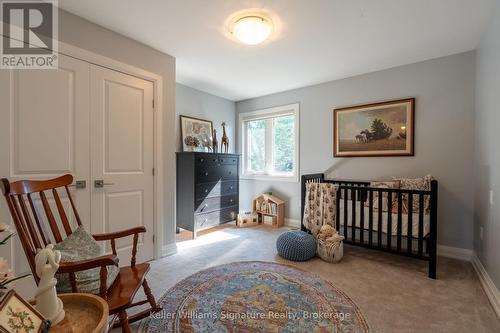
{"points": [[251, 29]]}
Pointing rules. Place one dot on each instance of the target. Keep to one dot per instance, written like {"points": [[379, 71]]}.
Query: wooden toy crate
{"points": [[247, 220]]}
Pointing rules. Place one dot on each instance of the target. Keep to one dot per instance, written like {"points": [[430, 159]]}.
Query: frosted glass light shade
{"points": [[252, 30]]}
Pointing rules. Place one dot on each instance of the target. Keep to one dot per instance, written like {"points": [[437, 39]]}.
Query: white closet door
{"points": [[122, 158], [49, 127], [44, 121]]}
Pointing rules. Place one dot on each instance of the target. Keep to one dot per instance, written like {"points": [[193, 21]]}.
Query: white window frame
{"points": [[269, 114]]}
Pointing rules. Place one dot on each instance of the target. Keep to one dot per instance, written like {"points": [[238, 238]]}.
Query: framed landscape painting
{"points": [[378, 129]]}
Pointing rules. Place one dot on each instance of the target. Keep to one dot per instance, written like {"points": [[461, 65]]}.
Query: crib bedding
{"points": [[394, 223]]}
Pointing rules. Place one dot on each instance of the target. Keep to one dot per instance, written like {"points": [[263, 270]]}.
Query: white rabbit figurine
{"points": [[50, 306]]}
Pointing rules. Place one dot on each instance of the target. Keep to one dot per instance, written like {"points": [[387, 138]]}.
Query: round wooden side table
{"points": [[85, 313]]}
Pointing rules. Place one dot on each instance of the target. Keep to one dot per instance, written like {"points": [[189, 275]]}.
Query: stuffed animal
{"points": [[335, 238], [326, 231]]}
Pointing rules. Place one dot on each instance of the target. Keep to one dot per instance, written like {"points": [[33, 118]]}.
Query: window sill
{"points": [[290, 179]]}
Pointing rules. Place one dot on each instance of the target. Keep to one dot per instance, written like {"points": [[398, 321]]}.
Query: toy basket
{"points": [[327, 252]]}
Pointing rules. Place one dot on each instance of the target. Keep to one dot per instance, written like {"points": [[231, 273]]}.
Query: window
{"points": [[269, 143]]}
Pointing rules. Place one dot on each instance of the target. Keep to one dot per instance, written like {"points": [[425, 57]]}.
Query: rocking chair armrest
{"points": [[82, 265], [119, 234]]}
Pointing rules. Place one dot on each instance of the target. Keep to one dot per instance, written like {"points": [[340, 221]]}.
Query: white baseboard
{"points": [[454, 252], [292, 223], [168, 250], [489, 287]]}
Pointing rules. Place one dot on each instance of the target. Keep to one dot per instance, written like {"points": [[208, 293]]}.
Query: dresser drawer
{"points": [[207, 159], [215, 159], [207, 190], [215, 173], [215, 203], [232, 160], [208, 220]]}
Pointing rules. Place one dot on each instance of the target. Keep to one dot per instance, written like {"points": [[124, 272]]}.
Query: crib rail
{"points": [[382, 224]]}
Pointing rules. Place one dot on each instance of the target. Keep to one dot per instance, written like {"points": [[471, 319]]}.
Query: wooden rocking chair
{"points": [[31, 233]]}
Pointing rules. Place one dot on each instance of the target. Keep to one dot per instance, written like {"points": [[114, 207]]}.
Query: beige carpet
{"points": [[393, 292]]}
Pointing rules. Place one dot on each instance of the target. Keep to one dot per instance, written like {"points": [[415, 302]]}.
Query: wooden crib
{"points": [[365, 223]]}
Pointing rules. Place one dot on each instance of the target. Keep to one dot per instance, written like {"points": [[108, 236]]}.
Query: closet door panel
{"points": [[49, 126], [122, 158], [45, 132]]}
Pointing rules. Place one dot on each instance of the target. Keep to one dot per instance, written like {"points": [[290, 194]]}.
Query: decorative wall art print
{"points": [[17, 315], [196, 134], [378, 129]]}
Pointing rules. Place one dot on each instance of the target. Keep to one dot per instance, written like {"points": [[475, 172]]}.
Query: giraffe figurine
{"points": [[215, 143], [225, 139]]}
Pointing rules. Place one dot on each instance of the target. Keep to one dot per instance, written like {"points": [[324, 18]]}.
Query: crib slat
{"points": [[337, 208], [345, 213], [361, 217], [353, 208], [420, 223], [400, 222], [370, 218], [409, 230], [379, 229], [389, 220]]}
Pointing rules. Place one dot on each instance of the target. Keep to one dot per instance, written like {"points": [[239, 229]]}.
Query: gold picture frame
{"points": [[374, 130]]}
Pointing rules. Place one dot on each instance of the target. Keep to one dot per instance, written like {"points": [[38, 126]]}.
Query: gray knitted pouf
{"points": [[296, 245]]}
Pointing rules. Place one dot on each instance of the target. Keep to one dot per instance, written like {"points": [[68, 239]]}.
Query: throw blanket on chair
{"points": [[319, 205]]}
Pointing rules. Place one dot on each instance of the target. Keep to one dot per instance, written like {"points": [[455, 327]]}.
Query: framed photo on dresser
{"points": [[196, 134]]}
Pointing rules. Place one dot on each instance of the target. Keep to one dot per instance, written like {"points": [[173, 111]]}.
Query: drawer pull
{"points": [[206, 173], [231, 200], [202, 160], [230, 172], [206, 190], [230, 187]]}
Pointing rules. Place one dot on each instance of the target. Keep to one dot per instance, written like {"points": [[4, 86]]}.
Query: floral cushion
{"points": [[80, 245], [395, 184], [422, 184]]}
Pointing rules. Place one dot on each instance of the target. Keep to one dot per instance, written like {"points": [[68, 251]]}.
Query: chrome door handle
{"points": [[79, 184], [100, 183]]}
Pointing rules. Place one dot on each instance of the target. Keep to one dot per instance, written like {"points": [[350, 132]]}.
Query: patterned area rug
{"points": [[255, 297]]}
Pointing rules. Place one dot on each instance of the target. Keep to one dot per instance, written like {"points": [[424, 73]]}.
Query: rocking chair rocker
{"points": [[121, 293]]}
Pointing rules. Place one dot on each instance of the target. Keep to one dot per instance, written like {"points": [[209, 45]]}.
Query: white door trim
{"points": [[99, 60]]}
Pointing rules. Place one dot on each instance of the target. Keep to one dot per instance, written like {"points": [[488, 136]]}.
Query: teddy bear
{"points": [[326, 231], [335, 238]]}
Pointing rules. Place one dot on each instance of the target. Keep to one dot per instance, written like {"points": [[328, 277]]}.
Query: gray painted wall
{"points": [[199, 104], [487, 157], [444, 91], [86, 35]]}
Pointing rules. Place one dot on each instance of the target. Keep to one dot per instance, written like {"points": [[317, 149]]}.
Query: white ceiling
{"points": [[318, 41]]}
